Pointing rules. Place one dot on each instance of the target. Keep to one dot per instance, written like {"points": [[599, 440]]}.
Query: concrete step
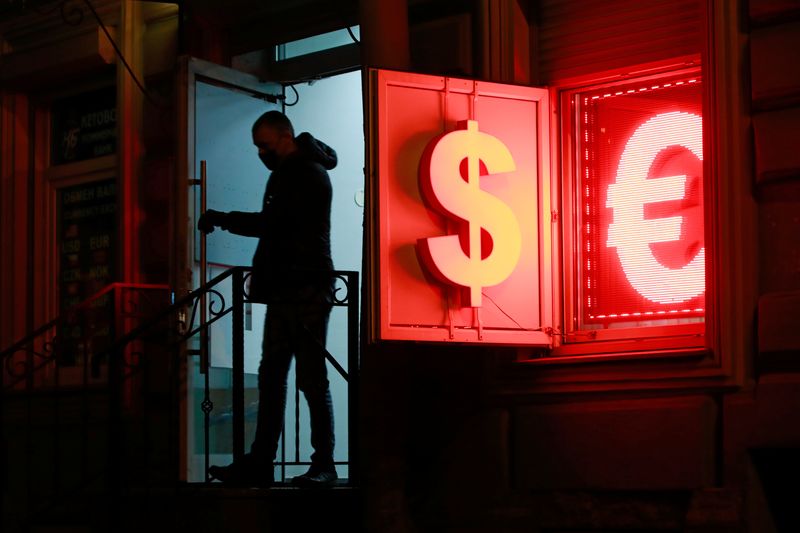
{"points": [[200, 508], [67, 528], [280, 508]]}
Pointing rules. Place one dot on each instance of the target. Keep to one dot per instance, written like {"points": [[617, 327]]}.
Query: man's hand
{"points": [[209, 220]]}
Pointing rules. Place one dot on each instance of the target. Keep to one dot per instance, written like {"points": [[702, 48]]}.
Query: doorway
{"points": [[223, 106]]}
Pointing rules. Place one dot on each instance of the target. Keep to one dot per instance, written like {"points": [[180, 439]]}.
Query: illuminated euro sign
{"points": [[630, 233], [462, 199]]}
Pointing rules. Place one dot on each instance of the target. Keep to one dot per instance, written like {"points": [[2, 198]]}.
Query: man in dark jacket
{"points": [[291, 274]]}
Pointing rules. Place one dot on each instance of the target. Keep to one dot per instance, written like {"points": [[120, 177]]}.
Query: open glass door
{"points": [[219, 106]]}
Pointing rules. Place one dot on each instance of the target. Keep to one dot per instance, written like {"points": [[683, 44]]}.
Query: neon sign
{"points": [[641, 255], [630, 233], [467, 204], [450, 173], [461, 247]]}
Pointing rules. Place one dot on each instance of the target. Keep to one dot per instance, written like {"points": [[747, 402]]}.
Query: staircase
{"points": [[91, 430]]}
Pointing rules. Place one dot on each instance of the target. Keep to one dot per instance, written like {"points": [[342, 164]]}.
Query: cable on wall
{"points": [[120, 55], [296, 97], [352, 35]]}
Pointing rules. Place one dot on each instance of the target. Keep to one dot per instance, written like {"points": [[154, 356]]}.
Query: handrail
{"points": [[74, 309], [66, 348], [216, 315], [218, 310], [169, 326], [180, 303]]}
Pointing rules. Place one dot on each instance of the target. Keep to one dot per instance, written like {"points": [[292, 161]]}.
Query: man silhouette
{"points": [[291, 274]]}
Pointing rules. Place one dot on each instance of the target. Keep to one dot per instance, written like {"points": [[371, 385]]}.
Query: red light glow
{"points": [[630, 233], [460, 197], [459, 202], [642, 255]]}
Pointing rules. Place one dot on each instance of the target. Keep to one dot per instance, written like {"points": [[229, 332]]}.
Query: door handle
{"points": [[204, 333]]}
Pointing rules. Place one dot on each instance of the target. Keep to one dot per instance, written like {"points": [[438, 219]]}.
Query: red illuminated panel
{"points": [[458, 166], [450, 178], [642, 255]]}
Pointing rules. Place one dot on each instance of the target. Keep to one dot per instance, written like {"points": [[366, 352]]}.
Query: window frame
{"points": [[726, 361], [49, 179], [669, 340]]}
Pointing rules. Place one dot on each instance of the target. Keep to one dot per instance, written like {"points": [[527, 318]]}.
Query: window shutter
{"points": [[579, 37]]}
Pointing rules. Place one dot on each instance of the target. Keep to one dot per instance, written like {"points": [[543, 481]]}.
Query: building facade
{"points": [[636, 377]]}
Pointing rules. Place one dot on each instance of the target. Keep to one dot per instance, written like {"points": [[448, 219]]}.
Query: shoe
{"points": [[248, 472], [316, 477]]}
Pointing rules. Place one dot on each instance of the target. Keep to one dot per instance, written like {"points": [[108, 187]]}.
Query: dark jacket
{"points": [[293, 257]]}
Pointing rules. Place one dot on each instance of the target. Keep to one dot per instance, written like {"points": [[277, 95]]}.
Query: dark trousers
{"points": [[299, 330]]}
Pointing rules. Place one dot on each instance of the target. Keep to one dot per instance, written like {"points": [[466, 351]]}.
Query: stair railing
{"points": [[52, 382], [136, 363]]}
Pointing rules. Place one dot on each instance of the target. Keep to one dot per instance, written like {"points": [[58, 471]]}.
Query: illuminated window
{"points": [[635, 242], [317, 43], [622, 267]]}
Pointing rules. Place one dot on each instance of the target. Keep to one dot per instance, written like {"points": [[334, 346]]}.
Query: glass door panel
{"points": [[223, 104]]}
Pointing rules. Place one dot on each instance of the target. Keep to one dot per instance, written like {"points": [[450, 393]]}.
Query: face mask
{"points": [[269, 158]]}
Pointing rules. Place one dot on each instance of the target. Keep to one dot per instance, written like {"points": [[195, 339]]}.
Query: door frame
{"points": [[189, 71]]}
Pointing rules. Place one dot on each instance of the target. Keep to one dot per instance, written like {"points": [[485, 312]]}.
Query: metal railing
{"points": [[123, 347], [78, 338], [65, 384], [345, 294]]}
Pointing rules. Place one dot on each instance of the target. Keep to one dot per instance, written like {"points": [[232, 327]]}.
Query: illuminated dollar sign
{"points": [[462, 199], [630, 233]]}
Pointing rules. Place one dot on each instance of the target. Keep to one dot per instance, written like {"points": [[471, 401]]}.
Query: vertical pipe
{"points": [[384, 34], [238, 364], [129, 138]]}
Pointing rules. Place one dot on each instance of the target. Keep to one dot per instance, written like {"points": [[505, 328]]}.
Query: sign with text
{"points": [[84, 126], [87, 227], [642, 253], [462, 183]]}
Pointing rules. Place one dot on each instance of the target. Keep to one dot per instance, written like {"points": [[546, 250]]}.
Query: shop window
{"points": [[609, 245], [634, 254]]}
